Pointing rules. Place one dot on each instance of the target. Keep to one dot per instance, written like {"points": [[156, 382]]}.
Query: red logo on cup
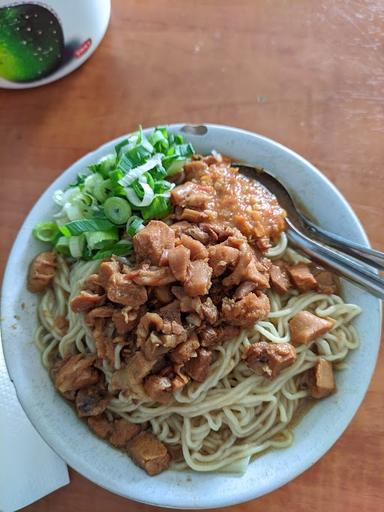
{"points": [[83, 48]]}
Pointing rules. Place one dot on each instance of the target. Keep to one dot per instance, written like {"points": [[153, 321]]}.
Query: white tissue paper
{"points": [[29, 469]]}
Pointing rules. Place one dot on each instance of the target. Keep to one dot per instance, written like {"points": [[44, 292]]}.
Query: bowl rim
{"points": [[217, 501]]}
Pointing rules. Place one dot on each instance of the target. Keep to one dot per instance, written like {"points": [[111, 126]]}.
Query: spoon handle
{"points": [[365, 254], [342, 264]]}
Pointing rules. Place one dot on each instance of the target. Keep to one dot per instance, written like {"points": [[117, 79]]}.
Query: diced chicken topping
{"points": [[100, 426], [100, 312], [279, 279], [150, 242], [158, 388], [86, 301], [198, 367], [246, 311], [192, 195], [184, 351], [131, 377], [149, 453], [326, 281], [302, 277], [179, 259], [125, 319], [324, 381], [196, 248], [221, 257], [305, 327], [269, 359], [106, 270], [122, 432], [243, 289], [247, 269], [75, 372], [122, 290], [92, 401], [41, 272], [154, 276], [198, 279]]}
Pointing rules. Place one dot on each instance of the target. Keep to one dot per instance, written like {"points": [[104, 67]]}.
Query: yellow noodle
{"points": [[234, 414]]}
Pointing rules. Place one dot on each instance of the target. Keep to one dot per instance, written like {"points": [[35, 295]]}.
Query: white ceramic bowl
{"points": [[110, 468]]}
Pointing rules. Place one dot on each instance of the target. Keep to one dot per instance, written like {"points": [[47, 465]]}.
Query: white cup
{"points": [[43, 41]]}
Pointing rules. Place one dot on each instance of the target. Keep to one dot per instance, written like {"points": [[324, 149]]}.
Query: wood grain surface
{"points": [[308, 73]]}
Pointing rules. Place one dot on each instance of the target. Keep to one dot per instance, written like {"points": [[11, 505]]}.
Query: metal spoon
{"points": [[349, 259]]}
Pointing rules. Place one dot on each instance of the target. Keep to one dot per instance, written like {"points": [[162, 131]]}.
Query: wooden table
{"points": [[306, 73]]}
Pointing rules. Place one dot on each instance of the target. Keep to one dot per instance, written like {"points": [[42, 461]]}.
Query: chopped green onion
{"points": [[46, 231], [161, 186], [175, 165], [117, 210], [147, 198], [135, 173], [62, 246], [95, 185], [76, 245], [122, 248], [119, 146], [78, 227], [102, 239], [159, 208], [104, 165], [185, 150], [134, 225]]}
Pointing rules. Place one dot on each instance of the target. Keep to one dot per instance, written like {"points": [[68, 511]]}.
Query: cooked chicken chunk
{"points": [[122, 432], [247, 269], [269, 359], [86, 301], [221, 257], [179, 259], [196, 248], [158, 388], [152, 276], [106, 270], [198, 367], [100, 426], [192, 195], [92, 401], [75, 372], [305, 327], [131, 377], [126, 319], [184, 351], [99, 312], [302, 277], [150, 242], [324, 382], [279, 279], [123, 290], [326, 281], [149, 453], [246, 311], [41, 272], [198, 279]]}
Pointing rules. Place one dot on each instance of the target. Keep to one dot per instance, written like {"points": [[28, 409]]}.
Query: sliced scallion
{"points": [[117, 210], [78, 227], [158, 209], [122, 248], [134, 225], [76, 245], [102, 239], [46, 231], [62, 246]]}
